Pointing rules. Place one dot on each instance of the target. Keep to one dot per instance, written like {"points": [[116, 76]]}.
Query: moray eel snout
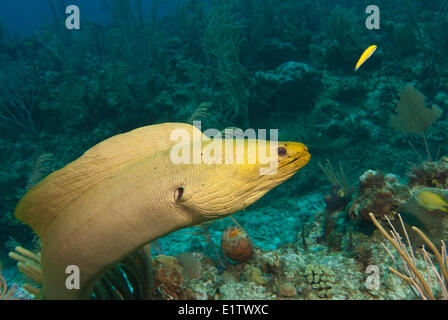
{"points": [[290, 152]]}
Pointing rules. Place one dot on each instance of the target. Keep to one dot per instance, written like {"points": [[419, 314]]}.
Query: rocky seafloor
{"points": [[296, 248]]}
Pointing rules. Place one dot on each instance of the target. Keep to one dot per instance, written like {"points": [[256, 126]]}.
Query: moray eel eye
{"points": [[281, 151], [178, 193]]}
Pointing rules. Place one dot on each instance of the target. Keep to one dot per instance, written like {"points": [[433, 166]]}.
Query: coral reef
{"points": [[289, 83], [378, 193], [429, 174], [385, 197], [168, 278], [321, 280]]}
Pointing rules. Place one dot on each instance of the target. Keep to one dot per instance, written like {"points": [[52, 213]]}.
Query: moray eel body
{"points": [[126, 192]]}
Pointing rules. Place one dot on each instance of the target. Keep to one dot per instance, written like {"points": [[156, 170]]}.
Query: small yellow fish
{"points": [[366, 55], [431, 201]]}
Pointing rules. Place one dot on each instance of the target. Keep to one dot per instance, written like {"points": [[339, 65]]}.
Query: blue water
{"points": [[23, 17]]}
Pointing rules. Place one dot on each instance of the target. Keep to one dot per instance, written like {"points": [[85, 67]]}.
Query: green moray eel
{"points": [[126, 191]]}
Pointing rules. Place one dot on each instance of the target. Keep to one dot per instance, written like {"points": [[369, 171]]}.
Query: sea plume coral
{"points": [[422, 283], [28, 264]]}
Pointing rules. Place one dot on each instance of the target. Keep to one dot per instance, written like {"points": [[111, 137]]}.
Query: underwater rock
{"points": [[243, 291], [363, 255], [432, 174], [199, 292], [269, 264], [236, 244], [191, 263], [168, 277], [442, 98], [287, 72], [377, 193], [287, 290], [255, 275], [291, 85], [274, 52]]}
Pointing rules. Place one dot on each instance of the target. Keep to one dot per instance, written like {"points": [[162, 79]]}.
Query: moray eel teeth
{"points": [[126, 192]]}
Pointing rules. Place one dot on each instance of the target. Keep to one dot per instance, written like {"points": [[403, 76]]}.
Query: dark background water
{"points": [[23, 17]]}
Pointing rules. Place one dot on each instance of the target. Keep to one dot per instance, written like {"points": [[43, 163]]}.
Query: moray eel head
{"points": [[222, 189]]}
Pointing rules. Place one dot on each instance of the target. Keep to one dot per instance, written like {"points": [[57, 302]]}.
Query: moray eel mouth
{"points": [[300, 157], [298, 162]]}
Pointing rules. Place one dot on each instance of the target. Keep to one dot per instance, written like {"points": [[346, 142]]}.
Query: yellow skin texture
{"points": [[133, 203]]}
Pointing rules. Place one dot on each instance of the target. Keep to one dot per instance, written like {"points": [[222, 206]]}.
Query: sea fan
{"points": [[412, 114]]}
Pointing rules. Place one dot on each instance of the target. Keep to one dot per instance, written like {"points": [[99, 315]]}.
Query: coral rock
{"points": [[168, 277], [254, 274], [236, 244], [191, 263], [287, 289], [378, 193], [321, 279], [430, 174]]}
